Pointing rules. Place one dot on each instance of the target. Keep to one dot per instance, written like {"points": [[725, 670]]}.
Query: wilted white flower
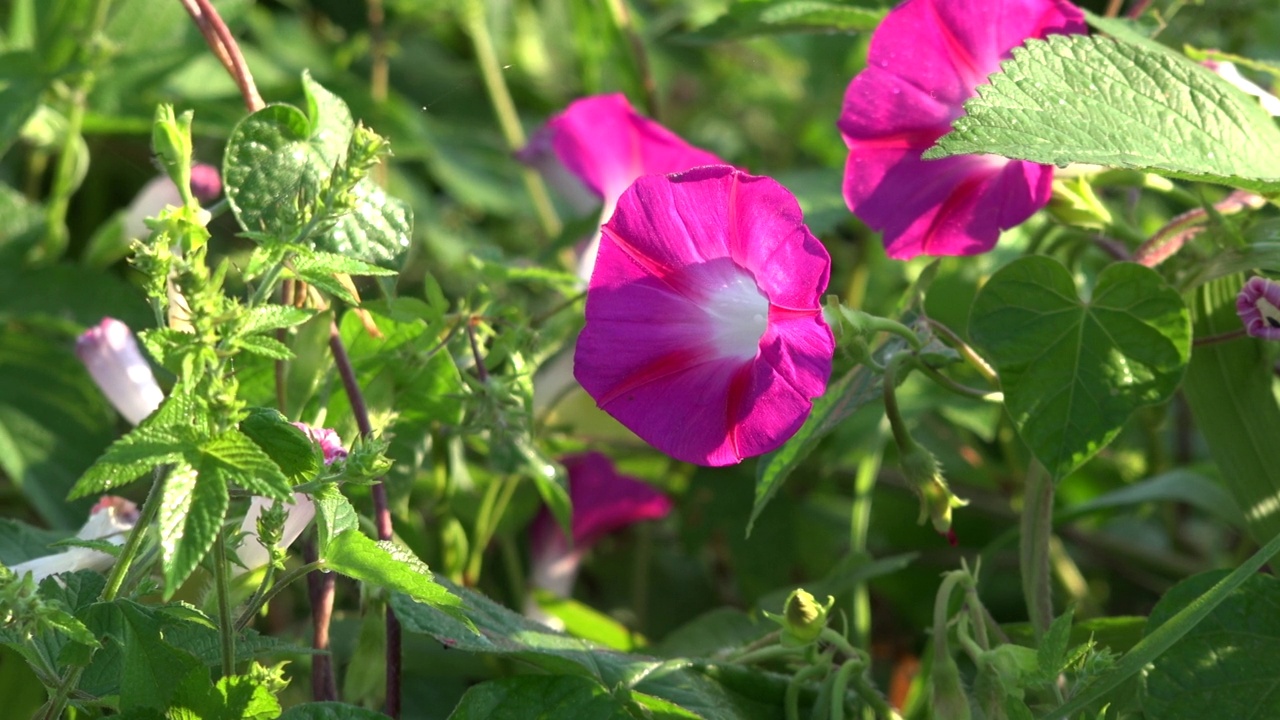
{"points": [[110, 353], [111, 519]]}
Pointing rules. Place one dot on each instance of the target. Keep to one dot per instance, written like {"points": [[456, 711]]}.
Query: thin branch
{"points": [[224, 46]]}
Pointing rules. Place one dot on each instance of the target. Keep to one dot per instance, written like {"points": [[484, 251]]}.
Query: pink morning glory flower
{"points": [[604, 502], [605, 144], [110, 353], [110, 519], [704, 333], [328, 440], [926, 58], [1258, 306]]}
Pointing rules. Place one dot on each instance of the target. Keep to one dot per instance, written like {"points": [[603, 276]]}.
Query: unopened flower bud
{"points": [[286, 526], [110, 354], [803, 619], [924, 477]]}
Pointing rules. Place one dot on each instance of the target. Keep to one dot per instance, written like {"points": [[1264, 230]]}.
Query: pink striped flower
{"points": [[1258, 306], [605, 144], [704, 332], [926, 59]]}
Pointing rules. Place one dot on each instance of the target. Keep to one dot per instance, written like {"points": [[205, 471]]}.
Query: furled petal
{"points": [[328, 440], [1258, 306], [110, 354], [298, 514], [704, 335], [926, 58], [110, 519]]}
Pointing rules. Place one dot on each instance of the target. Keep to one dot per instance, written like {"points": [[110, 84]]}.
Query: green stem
{"points": [[859, 523], [868, 694], [508, 119], [263, 598], [840, 686], [947, 383], [841, 644], [267, 285], [1033, 547], [146, 518], [226, 629], [970, 355], [901, 435], [773, 652], [791, 698], [496, 498]]}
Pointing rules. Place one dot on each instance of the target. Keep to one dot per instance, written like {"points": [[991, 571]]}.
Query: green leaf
{"points": [[1073, 370], [1051, 655], [238, 697], [233, 457], [273, 317], [1159, 639], [279, 157], [1089, 99], [388, 565], [129, 458], [287, 447], [332, 263], [193, 505], [334, 514], [330, 711], [1179, 485], [533, 697], [1230, 261], [151, 669], [1228, 389], [267, 347], [20, 542], [1224, 667], [753, 18], [586, 622]]}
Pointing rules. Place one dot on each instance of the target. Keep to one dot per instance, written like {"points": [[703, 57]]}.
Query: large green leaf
{"points": [[151, 670], [291, 451], [1074, 369], [1227, 666], [232, 458], [1087, 99], [280, 156]]}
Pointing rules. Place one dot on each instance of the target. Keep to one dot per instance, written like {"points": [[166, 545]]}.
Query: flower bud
{"points": [[261, 523], [803, 619], [947, 696], [924, 477], [110, 354]]}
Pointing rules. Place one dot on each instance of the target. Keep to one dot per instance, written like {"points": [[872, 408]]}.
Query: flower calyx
{"points": [[803, 618]]}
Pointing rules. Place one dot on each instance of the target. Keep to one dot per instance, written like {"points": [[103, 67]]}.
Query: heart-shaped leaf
{"points": [[1073, 370]]}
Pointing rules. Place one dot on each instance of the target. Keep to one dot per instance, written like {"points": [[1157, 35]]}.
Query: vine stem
{"points": [[1033, 547], [320, 590], [226, 628], [509, 120], [225, 48], [859, 522], [381, 509]]}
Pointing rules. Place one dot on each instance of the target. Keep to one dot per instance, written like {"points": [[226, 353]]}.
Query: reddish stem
{"points": [[320, 590], [225, 48]]}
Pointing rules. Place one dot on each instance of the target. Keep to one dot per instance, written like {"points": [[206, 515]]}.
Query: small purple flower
{"points": [[605, 144], [926, 58], [1258, 306], [604, 502], [328, 440], [110, 353], [704, 331]]}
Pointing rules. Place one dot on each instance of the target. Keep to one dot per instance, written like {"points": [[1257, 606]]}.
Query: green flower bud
{"points": [[803, 619], [171, 140], [924, 477], [1074, 203]]}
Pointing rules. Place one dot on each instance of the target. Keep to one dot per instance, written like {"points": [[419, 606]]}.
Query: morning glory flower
{"points": [[704, 332], [604, 502], [926, 58], [110, 519], [110, 353], [1258, 306], [605, 144]]}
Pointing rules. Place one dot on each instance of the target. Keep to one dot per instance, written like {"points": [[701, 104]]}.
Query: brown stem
{"points": [[381, 509], [224, 46], [1170, 238], [320, 589]]}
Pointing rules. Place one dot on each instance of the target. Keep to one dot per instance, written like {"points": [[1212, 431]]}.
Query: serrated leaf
{"points": [[151, 669], [378, 229], [238, 697], [1051, 655], [1088, 99], [753, 18], [335, 514], [233, 457], [332, 263], [267, 347], [388, 565], [20, 542], [1073, 370], [273, 317], [192, 507], [149, 445], [292, 451]]}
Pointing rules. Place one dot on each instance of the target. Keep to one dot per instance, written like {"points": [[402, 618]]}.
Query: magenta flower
{"points": [[110, 353], [604, 502], [704, 334], [1258, 306], [606, 145], [328, 440], [926, 58]]}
